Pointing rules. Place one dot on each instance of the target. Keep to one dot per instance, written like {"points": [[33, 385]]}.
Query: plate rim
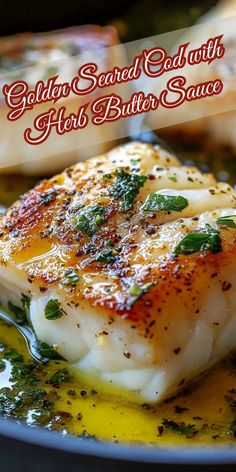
{"points": [[105, 450]]}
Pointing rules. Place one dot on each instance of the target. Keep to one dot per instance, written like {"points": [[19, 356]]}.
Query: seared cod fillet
{"points": [[129, 263]]}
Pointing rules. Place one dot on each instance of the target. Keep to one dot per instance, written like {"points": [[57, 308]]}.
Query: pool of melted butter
{"points": [[55, 396]]}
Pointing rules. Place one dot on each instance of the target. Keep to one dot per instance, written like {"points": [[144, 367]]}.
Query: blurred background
{"points": [[134, 19]]}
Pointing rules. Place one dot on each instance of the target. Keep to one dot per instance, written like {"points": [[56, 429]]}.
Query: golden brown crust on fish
{"points": [[109, 261]]}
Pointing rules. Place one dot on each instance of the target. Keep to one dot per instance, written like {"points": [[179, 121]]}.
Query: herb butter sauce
{"points": [[55, 397]]}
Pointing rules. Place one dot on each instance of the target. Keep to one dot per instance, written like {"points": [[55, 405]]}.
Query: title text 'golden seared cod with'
{"points": [[126, 263]]}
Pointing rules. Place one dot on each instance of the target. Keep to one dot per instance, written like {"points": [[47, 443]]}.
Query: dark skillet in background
{"points": [[23, 449], [142, 18]]}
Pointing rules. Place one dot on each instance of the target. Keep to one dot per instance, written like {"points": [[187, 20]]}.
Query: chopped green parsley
{"points": [[126, 188], [160, 202], [226, 221], [173, 178], [70, 278], [181, 428], [89, 218], [18, 312], [137, 291], [52, 310], [207, 240]]}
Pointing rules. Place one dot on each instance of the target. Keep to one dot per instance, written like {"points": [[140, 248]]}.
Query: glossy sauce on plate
{"points": [[56, 397]]}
